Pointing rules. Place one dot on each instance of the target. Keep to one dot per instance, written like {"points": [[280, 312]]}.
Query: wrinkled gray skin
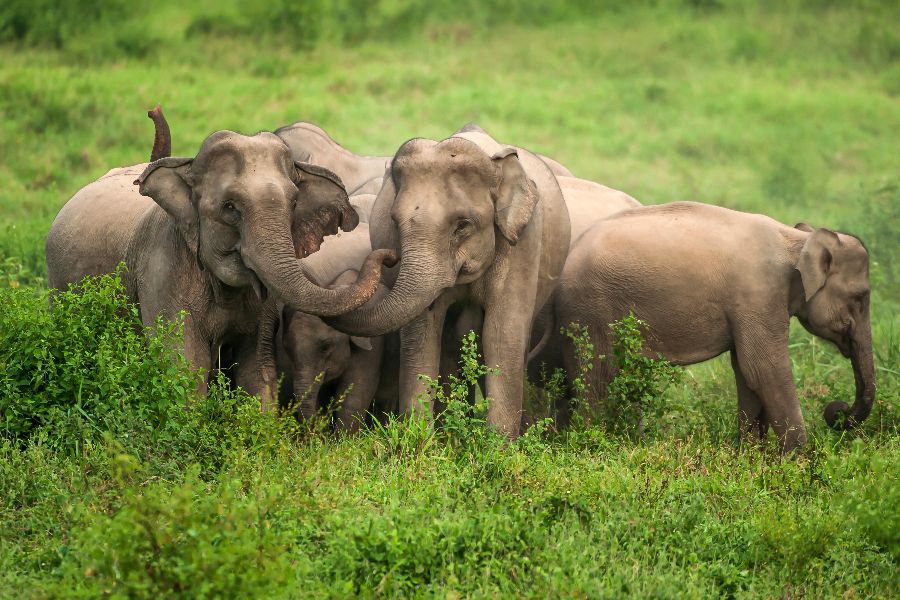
{"points": [[372, 186], [709, 280], [320, 363], [482, 232], [360, 174], [310, 143], [213, 235], [587, 203], [317, 361]]}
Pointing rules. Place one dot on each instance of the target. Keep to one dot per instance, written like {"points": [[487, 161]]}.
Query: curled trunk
{"points": [[285, 278], [838, 414], [418, 284]]}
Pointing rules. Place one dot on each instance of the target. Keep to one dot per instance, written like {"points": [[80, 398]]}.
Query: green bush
{"points": [[640, 381], [638, 389], [81, 365], [191, 540]]}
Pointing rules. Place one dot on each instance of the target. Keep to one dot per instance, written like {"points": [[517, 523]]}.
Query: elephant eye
{"points": [[463, 226], [231, 210]]}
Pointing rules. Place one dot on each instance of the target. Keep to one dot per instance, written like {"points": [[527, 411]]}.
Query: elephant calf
{"points": [[708, 280], [317, 361]]}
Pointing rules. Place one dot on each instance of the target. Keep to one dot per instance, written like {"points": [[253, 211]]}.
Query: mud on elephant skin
{"points": [[216, 232], [709, 280], [481, 228]]}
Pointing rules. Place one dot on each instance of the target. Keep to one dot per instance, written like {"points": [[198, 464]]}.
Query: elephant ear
{"points": [[363, 343], [514, 195], [815, 260], [169, 183], [322, 208]]}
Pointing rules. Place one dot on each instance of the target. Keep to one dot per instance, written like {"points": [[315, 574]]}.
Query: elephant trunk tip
{"points": [[837, 415], [841, 417], [162, 140]]}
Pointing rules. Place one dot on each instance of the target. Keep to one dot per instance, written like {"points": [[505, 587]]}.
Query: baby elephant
{"points": [[708, 280], [320, 363]]}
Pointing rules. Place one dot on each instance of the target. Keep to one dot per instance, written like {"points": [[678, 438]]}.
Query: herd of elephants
{"points": [[302, 262]]}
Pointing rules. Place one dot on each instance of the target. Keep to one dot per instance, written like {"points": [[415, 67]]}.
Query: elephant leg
{"points": [[505, 346], [249, 373], [198, 352], [420, 354], [765, 365], [364, 373], [752, 421]]}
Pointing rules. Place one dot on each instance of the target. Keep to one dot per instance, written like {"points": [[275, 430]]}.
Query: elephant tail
{"points": [[545, 318], [162, 140]]}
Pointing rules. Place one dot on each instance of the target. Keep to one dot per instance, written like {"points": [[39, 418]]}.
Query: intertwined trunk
{"points": [[269, 251], [421, 280]]}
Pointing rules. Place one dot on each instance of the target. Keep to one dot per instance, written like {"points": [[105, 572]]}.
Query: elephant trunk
{"points": [[420, 281], [838, 414], [284, 276], [306, 391]]}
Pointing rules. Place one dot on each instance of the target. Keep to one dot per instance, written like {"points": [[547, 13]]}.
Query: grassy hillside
{"points": [[787, 108]]}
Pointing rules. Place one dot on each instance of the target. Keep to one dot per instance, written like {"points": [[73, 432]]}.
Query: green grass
{"points": [[785, 108]]}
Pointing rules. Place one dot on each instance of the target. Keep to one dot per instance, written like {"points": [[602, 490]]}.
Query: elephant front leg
{"points": [[198, 352], [762, 357], [253, 376], [420, 354], [505, 346]]}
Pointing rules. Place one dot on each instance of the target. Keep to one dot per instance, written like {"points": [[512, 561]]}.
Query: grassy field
{"points": [[109, 486]]}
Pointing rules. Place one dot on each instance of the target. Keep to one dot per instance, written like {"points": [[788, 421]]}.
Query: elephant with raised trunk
{"points": [[709, 280], [211, 235], [482, 231]]}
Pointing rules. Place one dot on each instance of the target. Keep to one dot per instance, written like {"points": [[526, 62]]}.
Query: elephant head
{"points": [[834, 269], [247, 211], [315, 349], [448, 208]]}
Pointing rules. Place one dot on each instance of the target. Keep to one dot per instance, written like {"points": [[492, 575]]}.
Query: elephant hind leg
{"points": [[753, 423]]}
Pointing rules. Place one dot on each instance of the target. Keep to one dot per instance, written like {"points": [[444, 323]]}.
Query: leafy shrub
{"points": [[580, 338], [463, 424], [82, 365], [640, 382], [190, 539]]}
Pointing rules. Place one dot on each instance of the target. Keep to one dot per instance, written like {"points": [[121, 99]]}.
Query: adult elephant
{"points": [[219, 231], [360, 174], [709, 280], [311, 144], [481, 228]]}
